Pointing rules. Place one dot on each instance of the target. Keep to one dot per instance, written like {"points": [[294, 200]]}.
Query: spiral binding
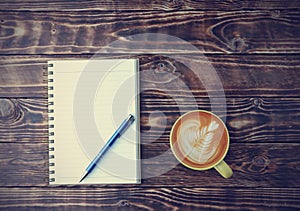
{"points": [[51, 125]]}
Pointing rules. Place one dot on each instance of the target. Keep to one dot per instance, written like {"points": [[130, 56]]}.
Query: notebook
{"points": [[88, 100]]}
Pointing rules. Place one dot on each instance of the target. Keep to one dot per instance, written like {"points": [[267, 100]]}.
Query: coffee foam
{"points": [[198, 139]]}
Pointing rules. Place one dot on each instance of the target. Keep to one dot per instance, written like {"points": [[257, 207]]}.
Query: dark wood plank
{"points": [[23, 119], [260, 120], [211, 32], [254, 165], [249, 120], [119, 5], [150, 199], [250, 76], [210, 75], [31, 159]]}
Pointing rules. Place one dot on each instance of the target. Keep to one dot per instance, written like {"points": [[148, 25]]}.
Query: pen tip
{"points": [[84, 176]]}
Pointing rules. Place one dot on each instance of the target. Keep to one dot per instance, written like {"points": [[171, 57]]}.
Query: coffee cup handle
{"points": [[224, 169]]}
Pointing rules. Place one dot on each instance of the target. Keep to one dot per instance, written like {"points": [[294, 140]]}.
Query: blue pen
{"points": [[123, 127]]}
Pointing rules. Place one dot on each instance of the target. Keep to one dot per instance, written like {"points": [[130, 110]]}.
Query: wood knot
{"points": [[162, 67], [9, 111], [176, 3], [123, 203], [256, 102], [238, 44], [260, 160], [259, 163], [160, 72], [6, 108], [275, 13], [53, 29]]}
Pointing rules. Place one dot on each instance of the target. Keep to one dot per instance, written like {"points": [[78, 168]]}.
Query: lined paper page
{"points": [[91, 99]]}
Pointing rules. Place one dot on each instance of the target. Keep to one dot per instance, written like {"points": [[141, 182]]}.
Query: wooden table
{"points": [[254, 48]]}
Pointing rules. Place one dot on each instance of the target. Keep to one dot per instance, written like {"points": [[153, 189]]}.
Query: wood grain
{"points": [[261, 153], [254, 165], [261, 120], [243, 76], [106, 5], [23, 156], [149, 198], [249, 120], [23, 119], [253, 46], [211, 32]]}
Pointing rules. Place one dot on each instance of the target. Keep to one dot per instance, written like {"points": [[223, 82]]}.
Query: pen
{"points": [[123, 127]]}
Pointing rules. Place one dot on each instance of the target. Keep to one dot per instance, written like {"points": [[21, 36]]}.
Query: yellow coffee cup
{"points": [[199, 140]]}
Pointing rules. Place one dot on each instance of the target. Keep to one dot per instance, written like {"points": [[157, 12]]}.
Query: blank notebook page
{"points": [[88, 102]]}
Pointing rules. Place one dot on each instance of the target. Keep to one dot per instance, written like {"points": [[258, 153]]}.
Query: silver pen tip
{"points": [[84, 176]]}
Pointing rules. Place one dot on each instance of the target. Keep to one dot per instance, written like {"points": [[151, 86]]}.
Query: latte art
{"points": [[196, 140]]}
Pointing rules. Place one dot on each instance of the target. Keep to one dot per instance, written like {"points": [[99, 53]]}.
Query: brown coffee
{"points": [[199, 139]]}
